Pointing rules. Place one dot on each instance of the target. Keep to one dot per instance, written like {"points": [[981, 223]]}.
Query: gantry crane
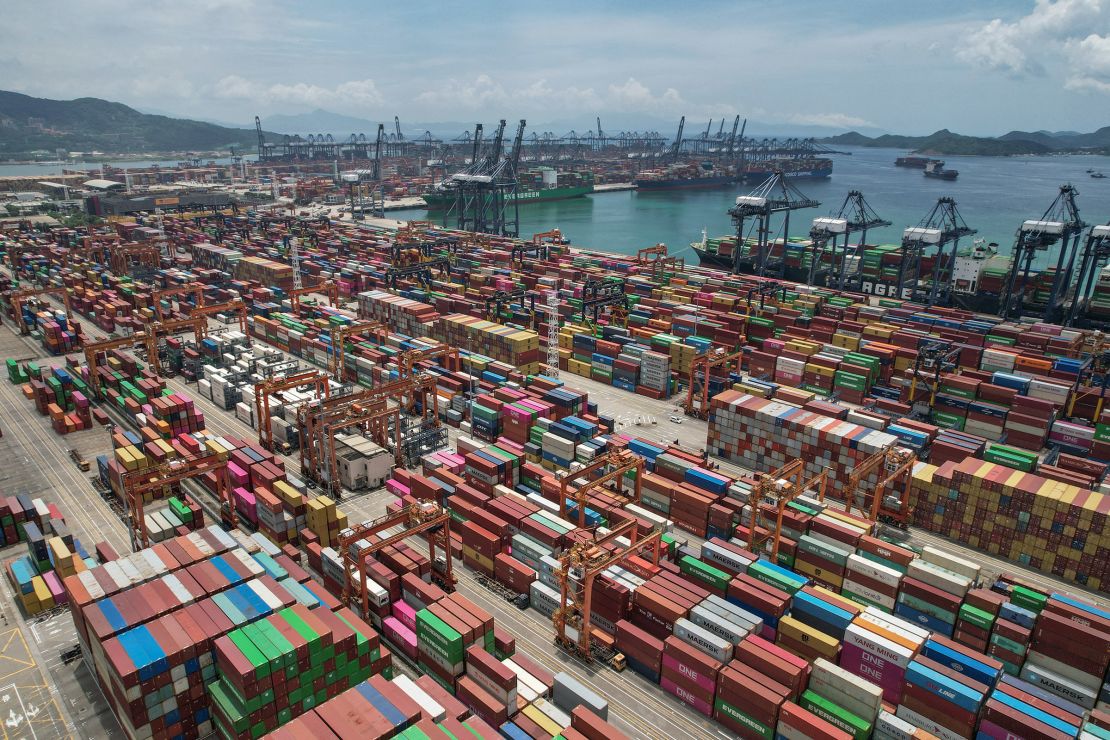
{"points": [[144, 255], [486, 189], [194, 289], [935, 357], [408, 359], [313, 417], [266, 388], [579, 566], [329, 289], [774, 195], [138, 482], [895, 467], [617, 464], [373, 419], [697, 390], [19, 297], [198, 324], [855, 215], [597, 294], [942, 226], [498, 300], [776, 490], [339, 336], [92, 350], [1061, 224], [420, 518], [676, 147], [235, 306], [1096, 253], [539, 247]]}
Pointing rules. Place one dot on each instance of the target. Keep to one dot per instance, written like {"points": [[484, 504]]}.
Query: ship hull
{"points": [[684, 183], [438, 201], [817, 173]]}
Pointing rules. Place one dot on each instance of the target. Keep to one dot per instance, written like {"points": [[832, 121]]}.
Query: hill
{"points": [[28, 124], [944, 142]]}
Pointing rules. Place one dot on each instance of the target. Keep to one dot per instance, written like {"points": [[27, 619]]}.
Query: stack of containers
{"points": [[764, 435], [1041, 523], [286, 663], [403, 315], [517, 347], [1070, 653]]}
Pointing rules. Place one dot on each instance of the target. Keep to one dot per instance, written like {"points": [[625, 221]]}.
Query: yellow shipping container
{"points": [[825, 645]]}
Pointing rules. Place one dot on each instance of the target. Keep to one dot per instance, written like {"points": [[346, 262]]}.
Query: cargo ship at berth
{"points": [[977, 283], [541, 185], [685, 177], [817, 168]]}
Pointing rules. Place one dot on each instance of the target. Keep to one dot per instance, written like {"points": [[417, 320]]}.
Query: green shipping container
{"points": [[704, 572], [859, 728]]}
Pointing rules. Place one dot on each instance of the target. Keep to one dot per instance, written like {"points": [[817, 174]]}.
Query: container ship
{"points": [[540, 185], [936, 169], [685, 177], [916, 163], [978, 276], [816, 168]]}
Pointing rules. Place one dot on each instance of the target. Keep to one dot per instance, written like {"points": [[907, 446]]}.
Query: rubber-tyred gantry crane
{"points": [[578, 567], [196, 290], [776, 490], [138, 482], [697, 387], [19, 297], [619, 462], [266, 388], [339, 337], [312, 419], [331, 290], [374, 419], [93, 350], [421, 518], [895, 466]]}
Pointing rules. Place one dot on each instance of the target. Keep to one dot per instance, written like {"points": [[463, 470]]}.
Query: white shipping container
{"points": [[927, 724], [892, 727], [1071, 673], [895, 623], [948, 561], [713, 623], [876, 571], [859, 696], [939, 577], [868, 593], [878, 645], [705, 641]]}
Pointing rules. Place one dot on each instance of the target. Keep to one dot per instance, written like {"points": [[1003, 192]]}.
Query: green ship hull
{"points": [[439, 201]]}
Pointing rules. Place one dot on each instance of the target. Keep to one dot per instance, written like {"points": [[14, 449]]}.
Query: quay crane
{"points": [[943, 226], [855, 214], [774, 195], [1096, 253], [1060, 224], [484, 191]]}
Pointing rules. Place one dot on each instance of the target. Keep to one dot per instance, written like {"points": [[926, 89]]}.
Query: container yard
{"points": [[289, 477]]}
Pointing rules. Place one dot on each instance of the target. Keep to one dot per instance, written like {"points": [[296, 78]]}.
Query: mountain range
{"points": [[945, 142], [29, 124]]}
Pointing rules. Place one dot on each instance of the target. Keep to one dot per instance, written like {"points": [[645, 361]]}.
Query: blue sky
{"points": [[907, 67]]}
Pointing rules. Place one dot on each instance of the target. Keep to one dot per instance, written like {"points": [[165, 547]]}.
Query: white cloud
{"points": [[485, 92], [353, 95], [832, 120], [1023, 46], [1090, 60], [634, 95]]}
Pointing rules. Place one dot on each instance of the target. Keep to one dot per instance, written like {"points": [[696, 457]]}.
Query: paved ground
{"points": [[46, 691]]}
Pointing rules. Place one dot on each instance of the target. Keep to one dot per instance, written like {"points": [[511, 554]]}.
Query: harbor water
{"points": [[994, 195]]}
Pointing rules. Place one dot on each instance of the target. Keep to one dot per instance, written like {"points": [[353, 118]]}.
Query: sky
{"points": [[904, 66]]}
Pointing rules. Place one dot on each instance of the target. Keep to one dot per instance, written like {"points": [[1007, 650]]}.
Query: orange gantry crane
{"points": [[427, 518], [339, 336], [266, 388], [123, 258], [198, 324], [697, 389], [137, 483], [374, 419], [329, 289], [895, 468], [579, 566], [408, 359], [194, 289], [235, 306], [314, 418], [775, 491], [92, 351], [19, 297], [621, 463]]}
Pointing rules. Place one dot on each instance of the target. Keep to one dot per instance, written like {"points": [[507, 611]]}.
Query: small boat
{"points": [[1098, 175]]}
